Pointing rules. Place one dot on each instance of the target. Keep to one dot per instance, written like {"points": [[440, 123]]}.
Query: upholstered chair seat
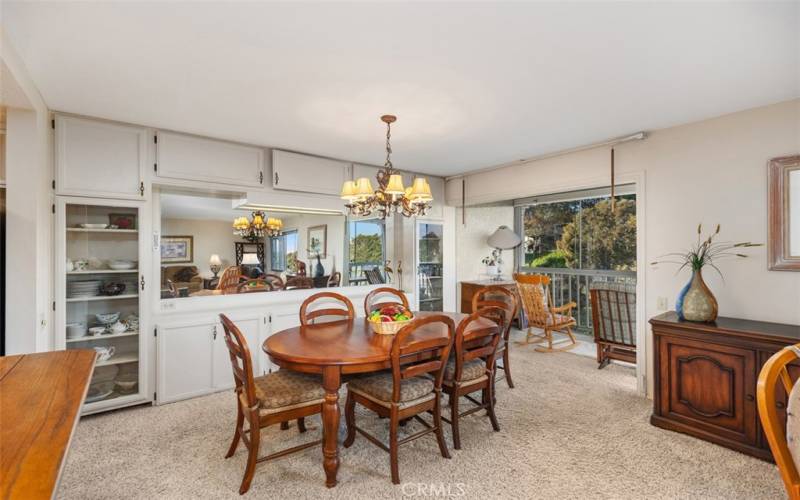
{"points": [[471, 370], [284, 388], [793, 425], [379, 387]]}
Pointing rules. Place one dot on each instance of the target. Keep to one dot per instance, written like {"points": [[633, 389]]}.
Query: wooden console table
{"points": [[41, 397], [470, 288], [705, 378]]}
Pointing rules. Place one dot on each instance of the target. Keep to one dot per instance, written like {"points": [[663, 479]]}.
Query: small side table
{"points": [[210, 283]]}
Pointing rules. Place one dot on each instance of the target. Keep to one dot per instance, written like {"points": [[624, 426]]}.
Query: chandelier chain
{"points": [[388, 147]]}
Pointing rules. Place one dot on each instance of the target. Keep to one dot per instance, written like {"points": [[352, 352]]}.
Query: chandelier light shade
{"points": [[391, 197], [256, 227]]}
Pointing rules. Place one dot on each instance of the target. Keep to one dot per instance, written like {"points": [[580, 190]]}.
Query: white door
{"points": [[222, 371], [192, 158], [99, 159], [185, 360], [310, 174]]}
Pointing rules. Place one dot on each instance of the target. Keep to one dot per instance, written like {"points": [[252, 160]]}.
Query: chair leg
{"points": [[350, 419], [237, 433], [454, 419], [284, 425], [507, 368], [393, 430], [437, 422], [252, 454], [301, 424], [490, 409]]}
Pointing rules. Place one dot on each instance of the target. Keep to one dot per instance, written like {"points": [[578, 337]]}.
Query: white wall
{"points": [[712, 172], [29, 229], [210, 237], [481, 222], [335, 239]]}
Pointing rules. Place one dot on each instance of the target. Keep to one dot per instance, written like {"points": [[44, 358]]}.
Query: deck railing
{"points": [[356, 271], [572, 285]]}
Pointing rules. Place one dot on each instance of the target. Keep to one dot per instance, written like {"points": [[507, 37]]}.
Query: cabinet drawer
{"points": [[709, 387]]}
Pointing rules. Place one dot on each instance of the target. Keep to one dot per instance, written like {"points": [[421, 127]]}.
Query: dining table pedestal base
{"points": [[331, 382]]}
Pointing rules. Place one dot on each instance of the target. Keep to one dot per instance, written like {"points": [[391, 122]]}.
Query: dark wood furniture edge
{"points": [[777, 332], [671, 425]]}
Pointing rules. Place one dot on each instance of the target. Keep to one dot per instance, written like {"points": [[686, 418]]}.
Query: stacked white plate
{"points": [[82, 289]]}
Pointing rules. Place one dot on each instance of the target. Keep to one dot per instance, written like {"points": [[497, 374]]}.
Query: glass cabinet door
{"points": [[429, 266], [100, 297]]}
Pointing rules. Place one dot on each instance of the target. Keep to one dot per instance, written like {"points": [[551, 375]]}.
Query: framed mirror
{"points": [[784, 213]]}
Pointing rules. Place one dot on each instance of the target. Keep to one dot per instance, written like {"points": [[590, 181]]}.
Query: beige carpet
{"points": [[568, 431]]}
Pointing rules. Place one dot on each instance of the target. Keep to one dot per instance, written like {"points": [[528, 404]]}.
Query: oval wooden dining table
{"points": [[342, 348]]}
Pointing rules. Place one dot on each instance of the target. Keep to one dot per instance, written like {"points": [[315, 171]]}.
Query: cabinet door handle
{"points": [[276, 178], [780, 405], [142, 282], [750, 397], [261, 177], [215, 332], [141, 188]]}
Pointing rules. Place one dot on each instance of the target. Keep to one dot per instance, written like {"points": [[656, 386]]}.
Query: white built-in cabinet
{"points": [[193, 359], [192, 158], [90, 258], [310, 174], [100, 159]]}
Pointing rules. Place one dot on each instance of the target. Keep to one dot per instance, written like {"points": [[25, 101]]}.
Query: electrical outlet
{"points": [[662, 304]]}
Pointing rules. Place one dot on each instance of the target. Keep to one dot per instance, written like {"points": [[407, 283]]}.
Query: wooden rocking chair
{"points": [[537, 302]]}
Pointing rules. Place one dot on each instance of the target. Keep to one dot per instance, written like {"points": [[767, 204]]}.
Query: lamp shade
{"points": [[364, 187], [348, 190], [250, 259], [214, 260], [421, 190], [504, 238], [395, 185]]}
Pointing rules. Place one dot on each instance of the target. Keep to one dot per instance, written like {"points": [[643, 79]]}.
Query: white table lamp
{"points": [[215, 264], [502, 239]]}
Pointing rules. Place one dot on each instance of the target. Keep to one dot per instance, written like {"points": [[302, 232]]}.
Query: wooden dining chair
{"points": [[274, 398], [335, 279], [309, 316], [537, 302], [783, 439], [229, 279], [378, 298], [471, 369], [502, 297], [406, 392]]}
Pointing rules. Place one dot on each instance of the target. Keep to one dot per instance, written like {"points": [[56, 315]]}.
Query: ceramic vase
{"points": [[319, 271], [695, 301]]}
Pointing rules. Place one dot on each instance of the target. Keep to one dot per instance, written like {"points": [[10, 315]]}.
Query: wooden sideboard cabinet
{"points": [[705, 378], [470, 288]]}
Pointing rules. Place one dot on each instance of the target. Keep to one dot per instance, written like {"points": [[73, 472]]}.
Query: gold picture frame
{"points": [[783, 206]]}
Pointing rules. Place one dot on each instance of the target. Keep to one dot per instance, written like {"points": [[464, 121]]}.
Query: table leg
{"points": [[331, 382]]}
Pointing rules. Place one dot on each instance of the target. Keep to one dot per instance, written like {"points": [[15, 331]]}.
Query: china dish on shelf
{"points": [[122, 265], [126, 383], [93, 226], [132, 322], [83, 289], [96, 331], [76, 330], [99, 391], [112, 288], [107, 318]]}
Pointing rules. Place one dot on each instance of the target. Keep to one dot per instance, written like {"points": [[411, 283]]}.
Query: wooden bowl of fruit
{"points": [[389, 319]]}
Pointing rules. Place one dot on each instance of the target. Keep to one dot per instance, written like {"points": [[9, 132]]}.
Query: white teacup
{"points": [[119, 327], [104, 353]]}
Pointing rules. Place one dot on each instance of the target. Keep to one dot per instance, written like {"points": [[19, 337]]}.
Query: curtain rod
{"points": [[638, 136]]}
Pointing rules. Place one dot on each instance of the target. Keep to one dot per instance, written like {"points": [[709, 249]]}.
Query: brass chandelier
{"points": [[390, 197], [257, 227]]}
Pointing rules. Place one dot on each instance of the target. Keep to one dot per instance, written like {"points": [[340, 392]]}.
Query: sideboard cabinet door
{"points": [[185, 358], [99, 159], [223, 372], [192, 158], [709, 386]]}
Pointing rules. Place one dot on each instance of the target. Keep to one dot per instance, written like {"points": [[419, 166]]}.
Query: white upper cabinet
{"points": [[191, 158], [99, 159], [311, 174]]}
